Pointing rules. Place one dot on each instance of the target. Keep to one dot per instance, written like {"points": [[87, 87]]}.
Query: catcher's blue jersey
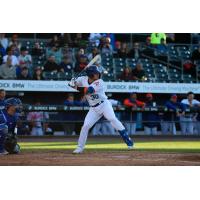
{"points": [[2, 103], [6, 122], [9, 120]]}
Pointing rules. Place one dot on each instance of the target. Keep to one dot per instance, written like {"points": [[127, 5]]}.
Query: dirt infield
{"points": [[99, 158], [134, 158]]}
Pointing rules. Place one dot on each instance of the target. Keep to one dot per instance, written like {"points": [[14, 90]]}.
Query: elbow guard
{"points": [[89, 90]]}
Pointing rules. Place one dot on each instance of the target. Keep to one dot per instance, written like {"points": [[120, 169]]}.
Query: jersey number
{"points": [[94, 96]]}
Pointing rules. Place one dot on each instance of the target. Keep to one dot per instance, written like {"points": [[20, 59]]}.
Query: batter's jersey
{"points": [[99, 87]]}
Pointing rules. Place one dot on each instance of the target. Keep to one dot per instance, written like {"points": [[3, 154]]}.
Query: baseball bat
{"points": [[94, 60]]}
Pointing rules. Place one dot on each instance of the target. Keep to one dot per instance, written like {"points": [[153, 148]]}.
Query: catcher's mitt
{"points": [[10, 144]]}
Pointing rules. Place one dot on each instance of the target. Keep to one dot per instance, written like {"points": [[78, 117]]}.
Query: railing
{"points": [[53, 108], [63, 118]]}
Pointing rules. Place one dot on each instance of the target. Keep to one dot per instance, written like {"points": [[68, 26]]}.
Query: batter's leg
{"points": [[91, 118], [128, 127], [110, 116], [97, 129]]}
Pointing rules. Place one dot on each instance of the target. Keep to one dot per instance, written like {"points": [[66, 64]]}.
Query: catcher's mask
{"points": [[14, 102]]}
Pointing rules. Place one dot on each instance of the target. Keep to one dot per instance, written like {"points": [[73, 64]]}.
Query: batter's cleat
{"points": [[126, 138], [130, 147], [78, 150]]}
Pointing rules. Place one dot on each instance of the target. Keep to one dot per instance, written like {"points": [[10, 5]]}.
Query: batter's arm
{"points": [[97, 86]]}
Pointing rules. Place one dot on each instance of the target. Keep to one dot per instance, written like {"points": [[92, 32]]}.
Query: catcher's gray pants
{"points": [[187, 125]]}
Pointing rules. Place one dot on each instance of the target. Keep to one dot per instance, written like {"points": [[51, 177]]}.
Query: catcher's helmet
{"points": [[14, 102], [93, 69]]}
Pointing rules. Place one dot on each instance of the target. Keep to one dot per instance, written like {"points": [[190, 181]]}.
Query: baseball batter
{"points": [[94, 90]]}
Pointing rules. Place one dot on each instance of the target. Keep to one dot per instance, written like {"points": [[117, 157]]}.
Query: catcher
{"points": [[8, 122]]}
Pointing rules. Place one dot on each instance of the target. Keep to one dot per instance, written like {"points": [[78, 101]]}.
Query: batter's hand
{"points": [[72, 83]]}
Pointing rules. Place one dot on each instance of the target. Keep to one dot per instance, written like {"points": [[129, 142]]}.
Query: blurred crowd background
{"points": [[149, 57], [156, 57]]}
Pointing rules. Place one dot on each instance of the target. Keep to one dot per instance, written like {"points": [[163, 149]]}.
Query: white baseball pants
{"points": [[95, 113]]}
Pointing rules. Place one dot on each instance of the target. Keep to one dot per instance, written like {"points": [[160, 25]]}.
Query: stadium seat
{"points": [[161, 75], [64, 75], [150, 71], [107, 61], [106, 55], [194, 47], [170, 70], [187, 78], [150, 77], [50, 76], [160, 71], [185, 54], [131, 62], [156, 66], [107, 64], [148, 67], [119, 61], [162, 80], [108, 77], [173, 54], [171, 47], [144, 61], [175, 77], [118, 71], [182, 48]]}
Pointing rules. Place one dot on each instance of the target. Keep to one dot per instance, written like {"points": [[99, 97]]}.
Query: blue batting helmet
{"points": [[93, 69], [14, 102]]}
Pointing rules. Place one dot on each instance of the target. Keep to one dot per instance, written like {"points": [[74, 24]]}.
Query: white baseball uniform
{"points": [[37, 118], [99, 106], [187, 122]]}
